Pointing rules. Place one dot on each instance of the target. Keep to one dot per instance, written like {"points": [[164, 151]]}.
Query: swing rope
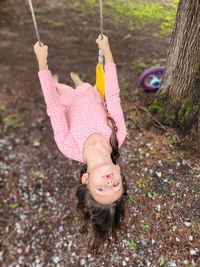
{"points": [[100, 65], [34, 21], [101, 16], [101, 56]]}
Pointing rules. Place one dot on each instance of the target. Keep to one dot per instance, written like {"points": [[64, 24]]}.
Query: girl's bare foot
{"points": [[56, 78], [77, 81]]}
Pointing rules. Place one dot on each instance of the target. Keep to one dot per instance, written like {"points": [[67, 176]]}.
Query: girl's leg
{"points": [[77, 81]]}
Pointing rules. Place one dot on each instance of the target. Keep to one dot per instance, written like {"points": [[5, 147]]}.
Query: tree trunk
{"points": [[178, 99]]}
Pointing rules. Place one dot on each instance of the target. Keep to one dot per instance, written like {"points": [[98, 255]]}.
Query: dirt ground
{"points": [[39, 225]]}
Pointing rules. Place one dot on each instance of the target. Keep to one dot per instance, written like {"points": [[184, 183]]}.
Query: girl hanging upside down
{"points": [[90, 130]]}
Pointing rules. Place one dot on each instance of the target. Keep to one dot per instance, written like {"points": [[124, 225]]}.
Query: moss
{"points": [[157, 106], [187, 112], [11, 121], [196, 67], [180, 116], [137, 120]]}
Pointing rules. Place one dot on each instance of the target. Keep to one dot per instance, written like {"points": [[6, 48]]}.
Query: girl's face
{"points": [[104, 183]]}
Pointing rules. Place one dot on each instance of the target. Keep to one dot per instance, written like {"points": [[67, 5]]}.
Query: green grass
{"points": [[14, 205], [131, 200], [140, 183], [132, 244], [12, 121], [138, 13], [161, 261], [145, 227]]}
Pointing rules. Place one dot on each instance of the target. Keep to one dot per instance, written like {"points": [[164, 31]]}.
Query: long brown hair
{"points": [[105, 219]]}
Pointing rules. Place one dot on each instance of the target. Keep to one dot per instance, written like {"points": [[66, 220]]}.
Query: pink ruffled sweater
{"points": [[75, 114]]}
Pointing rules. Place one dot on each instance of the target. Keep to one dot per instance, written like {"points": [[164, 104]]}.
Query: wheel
{"points": [[151, 78]]}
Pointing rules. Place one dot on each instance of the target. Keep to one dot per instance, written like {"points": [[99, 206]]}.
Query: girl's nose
{"points": [[109, 182]]}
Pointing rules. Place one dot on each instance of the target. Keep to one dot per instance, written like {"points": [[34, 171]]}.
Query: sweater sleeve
{"points": [[56, 112], [113, 101]]}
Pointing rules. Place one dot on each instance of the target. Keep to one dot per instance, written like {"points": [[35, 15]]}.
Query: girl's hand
{"points": [[103, 44], [41, 53]]}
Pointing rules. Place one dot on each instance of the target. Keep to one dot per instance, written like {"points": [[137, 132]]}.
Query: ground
{"points": [[38, 220]]}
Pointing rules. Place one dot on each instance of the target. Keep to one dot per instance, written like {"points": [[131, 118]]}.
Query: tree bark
{"points": [[179, 94]]}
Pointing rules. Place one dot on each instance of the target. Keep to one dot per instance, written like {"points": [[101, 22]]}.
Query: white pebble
{"points": [[18, 228], [50, 199], [149, 144], [37, 260], [22, 216], [56, 259], [159, 174], [21, 259], [82, 261], [177, 239], [61, 228], [70, 244], [171, 264], [36, 142], [27, 249], [158, 207], [123, 263], [1, 256], [126, 258], [187, 224], [193, 251], [190, 237], [19, 250]]}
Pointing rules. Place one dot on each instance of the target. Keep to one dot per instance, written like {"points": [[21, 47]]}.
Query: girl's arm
{"points": [[55, 110], [112, 90], [113, 101]]}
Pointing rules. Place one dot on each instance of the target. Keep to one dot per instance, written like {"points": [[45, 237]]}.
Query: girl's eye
{"points": [[116, 184], [100, 189]]}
